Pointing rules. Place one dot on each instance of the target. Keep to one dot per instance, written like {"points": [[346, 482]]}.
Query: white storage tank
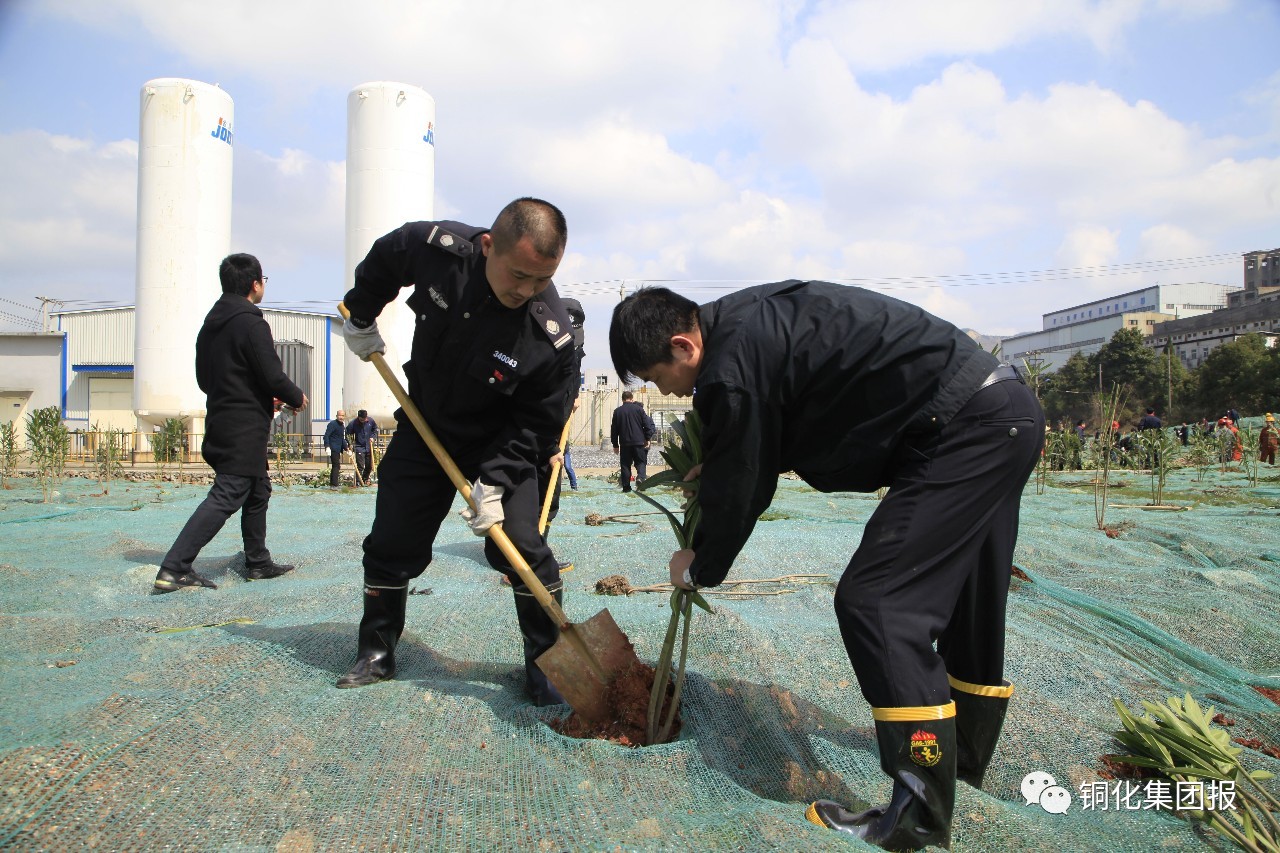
{"points": [[184, 231], [391, 167]]}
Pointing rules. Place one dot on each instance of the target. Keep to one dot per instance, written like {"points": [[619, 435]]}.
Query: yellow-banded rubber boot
{"points": [[980, 711], [917, 751]]}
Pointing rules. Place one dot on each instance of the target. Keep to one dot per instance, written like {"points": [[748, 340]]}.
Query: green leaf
{"points": [[676, 526], [702, 602], [670, 477]]}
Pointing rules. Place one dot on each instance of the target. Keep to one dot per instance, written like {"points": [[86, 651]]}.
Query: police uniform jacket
{"points": [[496, 384], [239, 371], [821, 379]]}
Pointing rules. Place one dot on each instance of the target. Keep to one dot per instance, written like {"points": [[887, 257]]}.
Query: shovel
{"points": [[553, 479], [588, 656]]}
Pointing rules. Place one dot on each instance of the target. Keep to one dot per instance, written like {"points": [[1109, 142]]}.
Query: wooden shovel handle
{"points": [[496, 533], [551, 481]]}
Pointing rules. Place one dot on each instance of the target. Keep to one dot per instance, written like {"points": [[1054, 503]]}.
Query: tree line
{"points": [[1242, 375]]}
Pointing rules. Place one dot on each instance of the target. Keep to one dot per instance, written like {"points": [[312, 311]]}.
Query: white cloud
{"points": [[68, 212], [880, 35], [723, 140]]}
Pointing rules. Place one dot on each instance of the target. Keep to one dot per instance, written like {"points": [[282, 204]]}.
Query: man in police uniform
{"points": [[853, 391], [494, 372]]}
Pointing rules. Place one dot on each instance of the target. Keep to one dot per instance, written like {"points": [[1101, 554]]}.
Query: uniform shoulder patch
{"points": [[554, 321], [445, 239]]}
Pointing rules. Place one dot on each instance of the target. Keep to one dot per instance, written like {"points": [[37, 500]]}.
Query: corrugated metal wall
{"points": [[296, 357], [106, 336], [99, 337]]}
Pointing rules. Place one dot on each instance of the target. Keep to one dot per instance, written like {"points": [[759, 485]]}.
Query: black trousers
{"points": [[629, 454], [230, 492], [364, 464], [935, 557], [335, 470], [414, 498]]}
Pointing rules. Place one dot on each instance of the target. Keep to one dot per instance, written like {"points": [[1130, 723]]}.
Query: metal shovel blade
{"points": [[574, 674]]}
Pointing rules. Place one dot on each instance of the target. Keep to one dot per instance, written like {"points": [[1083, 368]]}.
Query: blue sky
{"points": [[709, 144]]}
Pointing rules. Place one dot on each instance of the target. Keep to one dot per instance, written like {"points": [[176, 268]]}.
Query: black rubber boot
{"points": [[920, 757], [380, 630], [980, 714], [540, 633]]}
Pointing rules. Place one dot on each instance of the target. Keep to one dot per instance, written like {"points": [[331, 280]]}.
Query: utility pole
{"points": [[44, 311], [1168, 374]]}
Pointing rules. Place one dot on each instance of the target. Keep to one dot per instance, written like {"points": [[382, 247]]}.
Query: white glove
{"points": [[488, 511], [363, 342]]}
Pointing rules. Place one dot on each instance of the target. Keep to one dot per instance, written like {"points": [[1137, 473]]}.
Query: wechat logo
{"points": [[1042, 789]]}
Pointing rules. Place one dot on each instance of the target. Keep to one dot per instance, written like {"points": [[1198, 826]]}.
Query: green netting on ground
{"points": [[114, 736]]}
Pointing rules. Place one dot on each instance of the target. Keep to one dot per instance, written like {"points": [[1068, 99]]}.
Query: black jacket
{"points": [[821, 379], [335, 436], [239, 371], [496, 384], [631, 425]]}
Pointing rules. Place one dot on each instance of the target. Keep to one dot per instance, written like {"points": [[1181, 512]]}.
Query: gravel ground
{"points": [[593, 457]]}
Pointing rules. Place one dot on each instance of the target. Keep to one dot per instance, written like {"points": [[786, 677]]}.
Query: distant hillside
{"points": [[987, 342]]}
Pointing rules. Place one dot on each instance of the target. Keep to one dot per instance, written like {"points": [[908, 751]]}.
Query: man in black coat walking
{"points": [[631, 431], [239, 371]]}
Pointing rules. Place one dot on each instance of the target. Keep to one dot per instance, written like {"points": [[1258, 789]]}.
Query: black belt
{"points": [[1003, 373]]}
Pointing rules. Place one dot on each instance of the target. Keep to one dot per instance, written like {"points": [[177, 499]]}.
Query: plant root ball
{"points": [[628, 700]]}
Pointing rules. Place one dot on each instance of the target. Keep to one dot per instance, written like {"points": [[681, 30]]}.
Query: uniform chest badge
{"points": [[437, 298], [553, 327], [925, 750]]}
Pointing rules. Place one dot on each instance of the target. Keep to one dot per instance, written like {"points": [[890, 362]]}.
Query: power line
{"points": [[608, 286]]}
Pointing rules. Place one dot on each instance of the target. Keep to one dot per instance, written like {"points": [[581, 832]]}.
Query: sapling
{"points": [[1160, 449], [681, 455], [1179, 741], [1108, 405], [9, 453], [107, 455], [1249, 454], [286, 452], [1226, 447], [168, 445], [48, 442], [1202, 452]]}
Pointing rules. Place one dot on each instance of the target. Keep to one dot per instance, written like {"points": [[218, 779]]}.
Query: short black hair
{"points": [[540, 221], [642, 327], [363, 413], [238, 273], [628, 395], [1151, 411]]}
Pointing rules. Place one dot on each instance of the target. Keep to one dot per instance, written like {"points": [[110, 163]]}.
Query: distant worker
{"points": [[335, 441], [364, 432], [494, 373], [1268, 441], [1079, 429], [238, 370], [578, 317], [631, 432], [1230, 447], [854, 391], [568, 457], [1149, 421]]}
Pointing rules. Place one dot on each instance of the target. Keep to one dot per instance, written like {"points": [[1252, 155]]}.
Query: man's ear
{"points": [[486, 243]]}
